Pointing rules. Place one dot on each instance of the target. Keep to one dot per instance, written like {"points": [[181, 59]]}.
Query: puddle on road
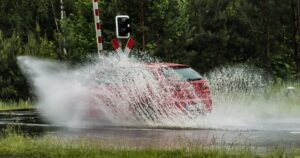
{"points": [[163, 137]]}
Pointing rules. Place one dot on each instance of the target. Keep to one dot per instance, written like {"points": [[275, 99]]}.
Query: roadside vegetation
{"points": [[204, 34], [15, 105], [14, 144]]}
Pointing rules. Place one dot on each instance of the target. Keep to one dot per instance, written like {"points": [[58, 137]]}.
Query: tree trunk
{"points": [[62, 15], [55, 19], [296, 19], [143, 25], [267, 35]]}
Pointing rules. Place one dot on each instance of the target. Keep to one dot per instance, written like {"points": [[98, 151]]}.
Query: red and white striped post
{"points": [[116, 45], [98, 27], [129, 46]]}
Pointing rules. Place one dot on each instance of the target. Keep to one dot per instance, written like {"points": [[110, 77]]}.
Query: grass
{"points": [[15, 105], [13, 144]]}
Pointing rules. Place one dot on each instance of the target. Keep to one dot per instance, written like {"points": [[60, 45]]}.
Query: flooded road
{"points": [[30, 122], [183, 137], [26, 120], [247, 109]]}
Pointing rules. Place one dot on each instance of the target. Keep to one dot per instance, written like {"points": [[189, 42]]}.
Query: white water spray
{"points": [[112, 92], [244, 100], [116, 91]]}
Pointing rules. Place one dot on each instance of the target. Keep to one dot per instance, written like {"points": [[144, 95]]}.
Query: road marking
{"points": [[295, 132]]}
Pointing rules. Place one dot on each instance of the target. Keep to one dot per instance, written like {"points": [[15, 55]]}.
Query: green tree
{"points": [[13, 84]]}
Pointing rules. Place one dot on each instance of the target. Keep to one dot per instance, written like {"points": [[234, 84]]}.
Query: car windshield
{"points": [[122, 75], [182, 73]]}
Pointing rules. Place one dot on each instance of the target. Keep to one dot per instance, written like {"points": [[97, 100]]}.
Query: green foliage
{"points": [[14, 105], [79, 32], [14, 85], [202, 33], [10, 81]]}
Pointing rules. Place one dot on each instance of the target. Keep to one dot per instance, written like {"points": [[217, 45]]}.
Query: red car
{"points": [[163, 87], [191, 90]]}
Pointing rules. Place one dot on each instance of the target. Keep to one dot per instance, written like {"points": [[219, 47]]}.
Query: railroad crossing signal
{"points": [[118, 48], [123, 31], [123, 26]]}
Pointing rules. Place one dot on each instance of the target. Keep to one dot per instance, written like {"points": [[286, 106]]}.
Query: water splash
{"points": [[244, 99], [112, 92], [116, 91]]}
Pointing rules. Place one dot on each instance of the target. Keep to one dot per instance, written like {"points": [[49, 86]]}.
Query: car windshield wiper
{"points": [[193, 79]]}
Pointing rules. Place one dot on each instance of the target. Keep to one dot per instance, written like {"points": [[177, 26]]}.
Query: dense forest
{"points": [[202, 33]]}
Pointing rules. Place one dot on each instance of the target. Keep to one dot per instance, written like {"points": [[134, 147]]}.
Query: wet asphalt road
{"points": [[29, 121]]}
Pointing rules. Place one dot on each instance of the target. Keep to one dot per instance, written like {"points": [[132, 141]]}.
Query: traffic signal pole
{"points": [[99, 38], [123, 32]]}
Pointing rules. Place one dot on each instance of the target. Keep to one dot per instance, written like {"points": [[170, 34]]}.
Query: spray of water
{"points": [[116, 91], [244, 99], [121, 91]]}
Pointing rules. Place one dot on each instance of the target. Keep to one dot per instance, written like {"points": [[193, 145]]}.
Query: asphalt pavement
{"points": [[31, 122]]}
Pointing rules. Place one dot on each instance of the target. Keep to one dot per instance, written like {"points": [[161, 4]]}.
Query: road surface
{"points": [[30, 122]]}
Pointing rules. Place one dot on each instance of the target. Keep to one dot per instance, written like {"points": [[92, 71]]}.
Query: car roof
{"points": [[157, 65]]}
